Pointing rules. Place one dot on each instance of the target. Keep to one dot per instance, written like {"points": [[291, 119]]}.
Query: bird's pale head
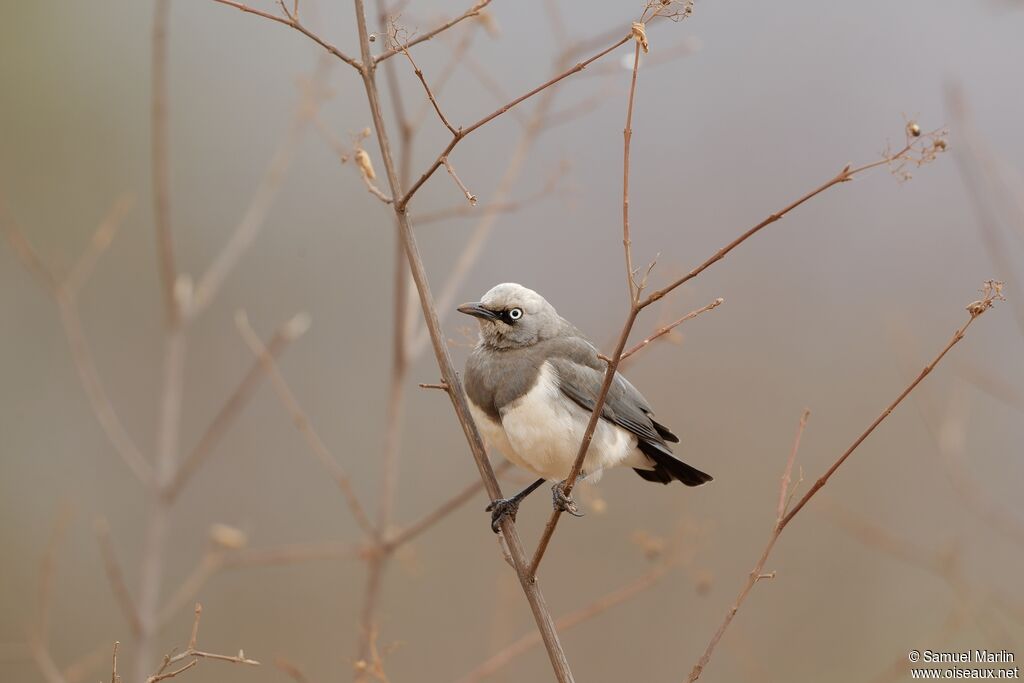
{"points": [[513, 316]]}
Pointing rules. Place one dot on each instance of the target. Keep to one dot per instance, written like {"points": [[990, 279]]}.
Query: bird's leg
{"points": [[508, 507], [562, 502]]}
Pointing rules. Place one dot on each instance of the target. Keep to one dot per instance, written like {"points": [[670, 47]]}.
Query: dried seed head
{"points": [[640, 35], [939, 145], [297, 326], [365, 165], [913, 129], [228, 537]]}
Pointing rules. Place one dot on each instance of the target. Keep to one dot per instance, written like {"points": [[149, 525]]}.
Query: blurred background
{"points": [[917, 543]]}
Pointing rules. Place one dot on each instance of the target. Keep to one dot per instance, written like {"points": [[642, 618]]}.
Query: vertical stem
{"points": [[542, 615], [154, 543]]}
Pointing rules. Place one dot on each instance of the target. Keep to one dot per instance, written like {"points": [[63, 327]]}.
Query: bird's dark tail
{"points": [[667, 467]]}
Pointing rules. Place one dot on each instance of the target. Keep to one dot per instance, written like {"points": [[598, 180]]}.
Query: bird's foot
{"points": [[562, 502], [502, 508]]}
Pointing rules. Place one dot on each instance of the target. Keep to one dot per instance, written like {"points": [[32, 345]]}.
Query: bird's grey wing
{"points": [[580, 376]]}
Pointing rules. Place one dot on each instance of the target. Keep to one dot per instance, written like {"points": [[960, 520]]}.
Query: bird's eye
{"points": [[515, 314]]}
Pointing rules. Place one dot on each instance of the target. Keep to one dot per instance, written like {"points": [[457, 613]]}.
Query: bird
{"points": [[532, 381]]}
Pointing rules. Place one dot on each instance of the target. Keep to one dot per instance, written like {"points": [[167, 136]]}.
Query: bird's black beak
{"points": [[477, 310]]}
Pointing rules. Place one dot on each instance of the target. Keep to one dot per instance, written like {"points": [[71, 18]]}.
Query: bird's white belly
{"points": [[541, 431]]}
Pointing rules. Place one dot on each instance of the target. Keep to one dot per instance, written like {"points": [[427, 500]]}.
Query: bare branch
{"points": [[471, 12], [470, 197], [191, 652], [975, 309], [463, 132], [662, 331], [419, 74], [913, 144]]}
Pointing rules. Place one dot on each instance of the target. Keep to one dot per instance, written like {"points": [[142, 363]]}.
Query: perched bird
{"points": [[532, 381]]}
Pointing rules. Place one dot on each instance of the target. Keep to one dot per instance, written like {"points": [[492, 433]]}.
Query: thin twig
{"points": [[616, 358], [195, 654], [463, 132], [430, 95], [784, 517], [662, 331], [470, 197]]}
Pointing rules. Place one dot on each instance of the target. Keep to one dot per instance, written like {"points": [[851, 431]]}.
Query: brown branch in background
{"points": [[115, 575], [168, 667], [298, 325], [229, 411], [992, 293], [98, 244], [665, 554], [81, 353], [447, 507], [988, 189], [291, 670], [391, 52], [227, 551]]}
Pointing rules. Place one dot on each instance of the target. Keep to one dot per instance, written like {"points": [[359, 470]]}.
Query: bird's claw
{"points": [[562, 502], [500, 509]]}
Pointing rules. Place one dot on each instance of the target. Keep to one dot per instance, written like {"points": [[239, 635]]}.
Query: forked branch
{"points": [[992, 292]]}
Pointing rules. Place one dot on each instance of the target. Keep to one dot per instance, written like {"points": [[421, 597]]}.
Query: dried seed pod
{"points": [[365, 165], [913, 129], [640, 35]]}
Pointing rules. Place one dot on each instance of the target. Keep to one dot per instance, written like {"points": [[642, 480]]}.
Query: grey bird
{"points": [[532, 381]]}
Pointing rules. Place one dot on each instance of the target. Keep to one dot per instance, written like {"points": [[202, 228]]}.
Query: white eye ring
{"points": [[515, 314]]}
